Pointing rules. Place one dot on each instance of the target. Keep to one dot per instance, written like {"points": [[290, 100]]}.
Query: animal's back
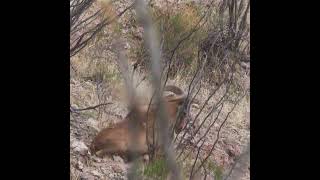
{"points": [[116, 140], [111, 139]]}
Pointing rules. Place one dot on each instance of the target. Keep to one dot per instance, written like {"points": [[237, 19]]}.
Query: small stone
{"points": [[95, 173], [80, 165], [117, 169], [86, 176], [146, 158], [127, 46], [124, 31], [80, 147], [93, 124], [210, 177], [95, 159], [105, 170], [118, 159], [72, 81], [111, 175], [74, 106]]}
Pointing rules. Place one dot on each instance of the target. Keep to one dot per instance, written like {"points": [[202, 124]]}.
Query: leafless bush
{"points": [[228, 38], [86, 22], [81, 24]]}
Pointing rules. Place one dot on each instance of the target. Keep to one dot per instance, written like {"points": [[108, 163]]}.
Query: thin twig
{"points": [[219, 130], [90, 107]]}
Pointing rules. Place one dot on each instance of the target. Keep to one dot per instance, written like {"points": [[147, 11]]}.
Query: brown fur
{"points": [[116, 139]]}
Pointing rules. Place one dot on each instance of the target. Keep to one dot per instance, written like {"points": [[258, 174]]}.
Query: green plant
{"points": [[156, 169], [173, 25], [216, 170]]}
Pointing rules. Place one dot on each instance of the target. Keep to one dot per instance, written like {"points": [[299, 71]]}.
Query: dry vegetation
{"points": [[205, 50]]}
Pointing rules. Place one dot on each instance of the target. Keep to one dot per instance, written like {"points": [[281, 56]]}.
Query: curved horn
{"points": [[179, 93]]}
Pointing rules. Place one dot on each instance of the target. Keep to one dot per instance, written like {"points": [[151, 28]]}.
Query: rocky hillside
{"points": [[95, 80]]}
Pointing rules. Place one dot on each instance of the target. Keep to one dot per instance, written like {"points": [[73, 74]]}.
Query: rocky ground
{"points": [[85, 124]]}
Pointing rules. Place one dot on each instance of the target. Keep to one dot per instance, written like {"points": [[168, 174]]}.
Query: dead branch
{"points": [[78, 42], [194, 81], [72, 109], [219, 130], [208, 129], [195, 161], [207, 100], [214, 107], [188, 35]]}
